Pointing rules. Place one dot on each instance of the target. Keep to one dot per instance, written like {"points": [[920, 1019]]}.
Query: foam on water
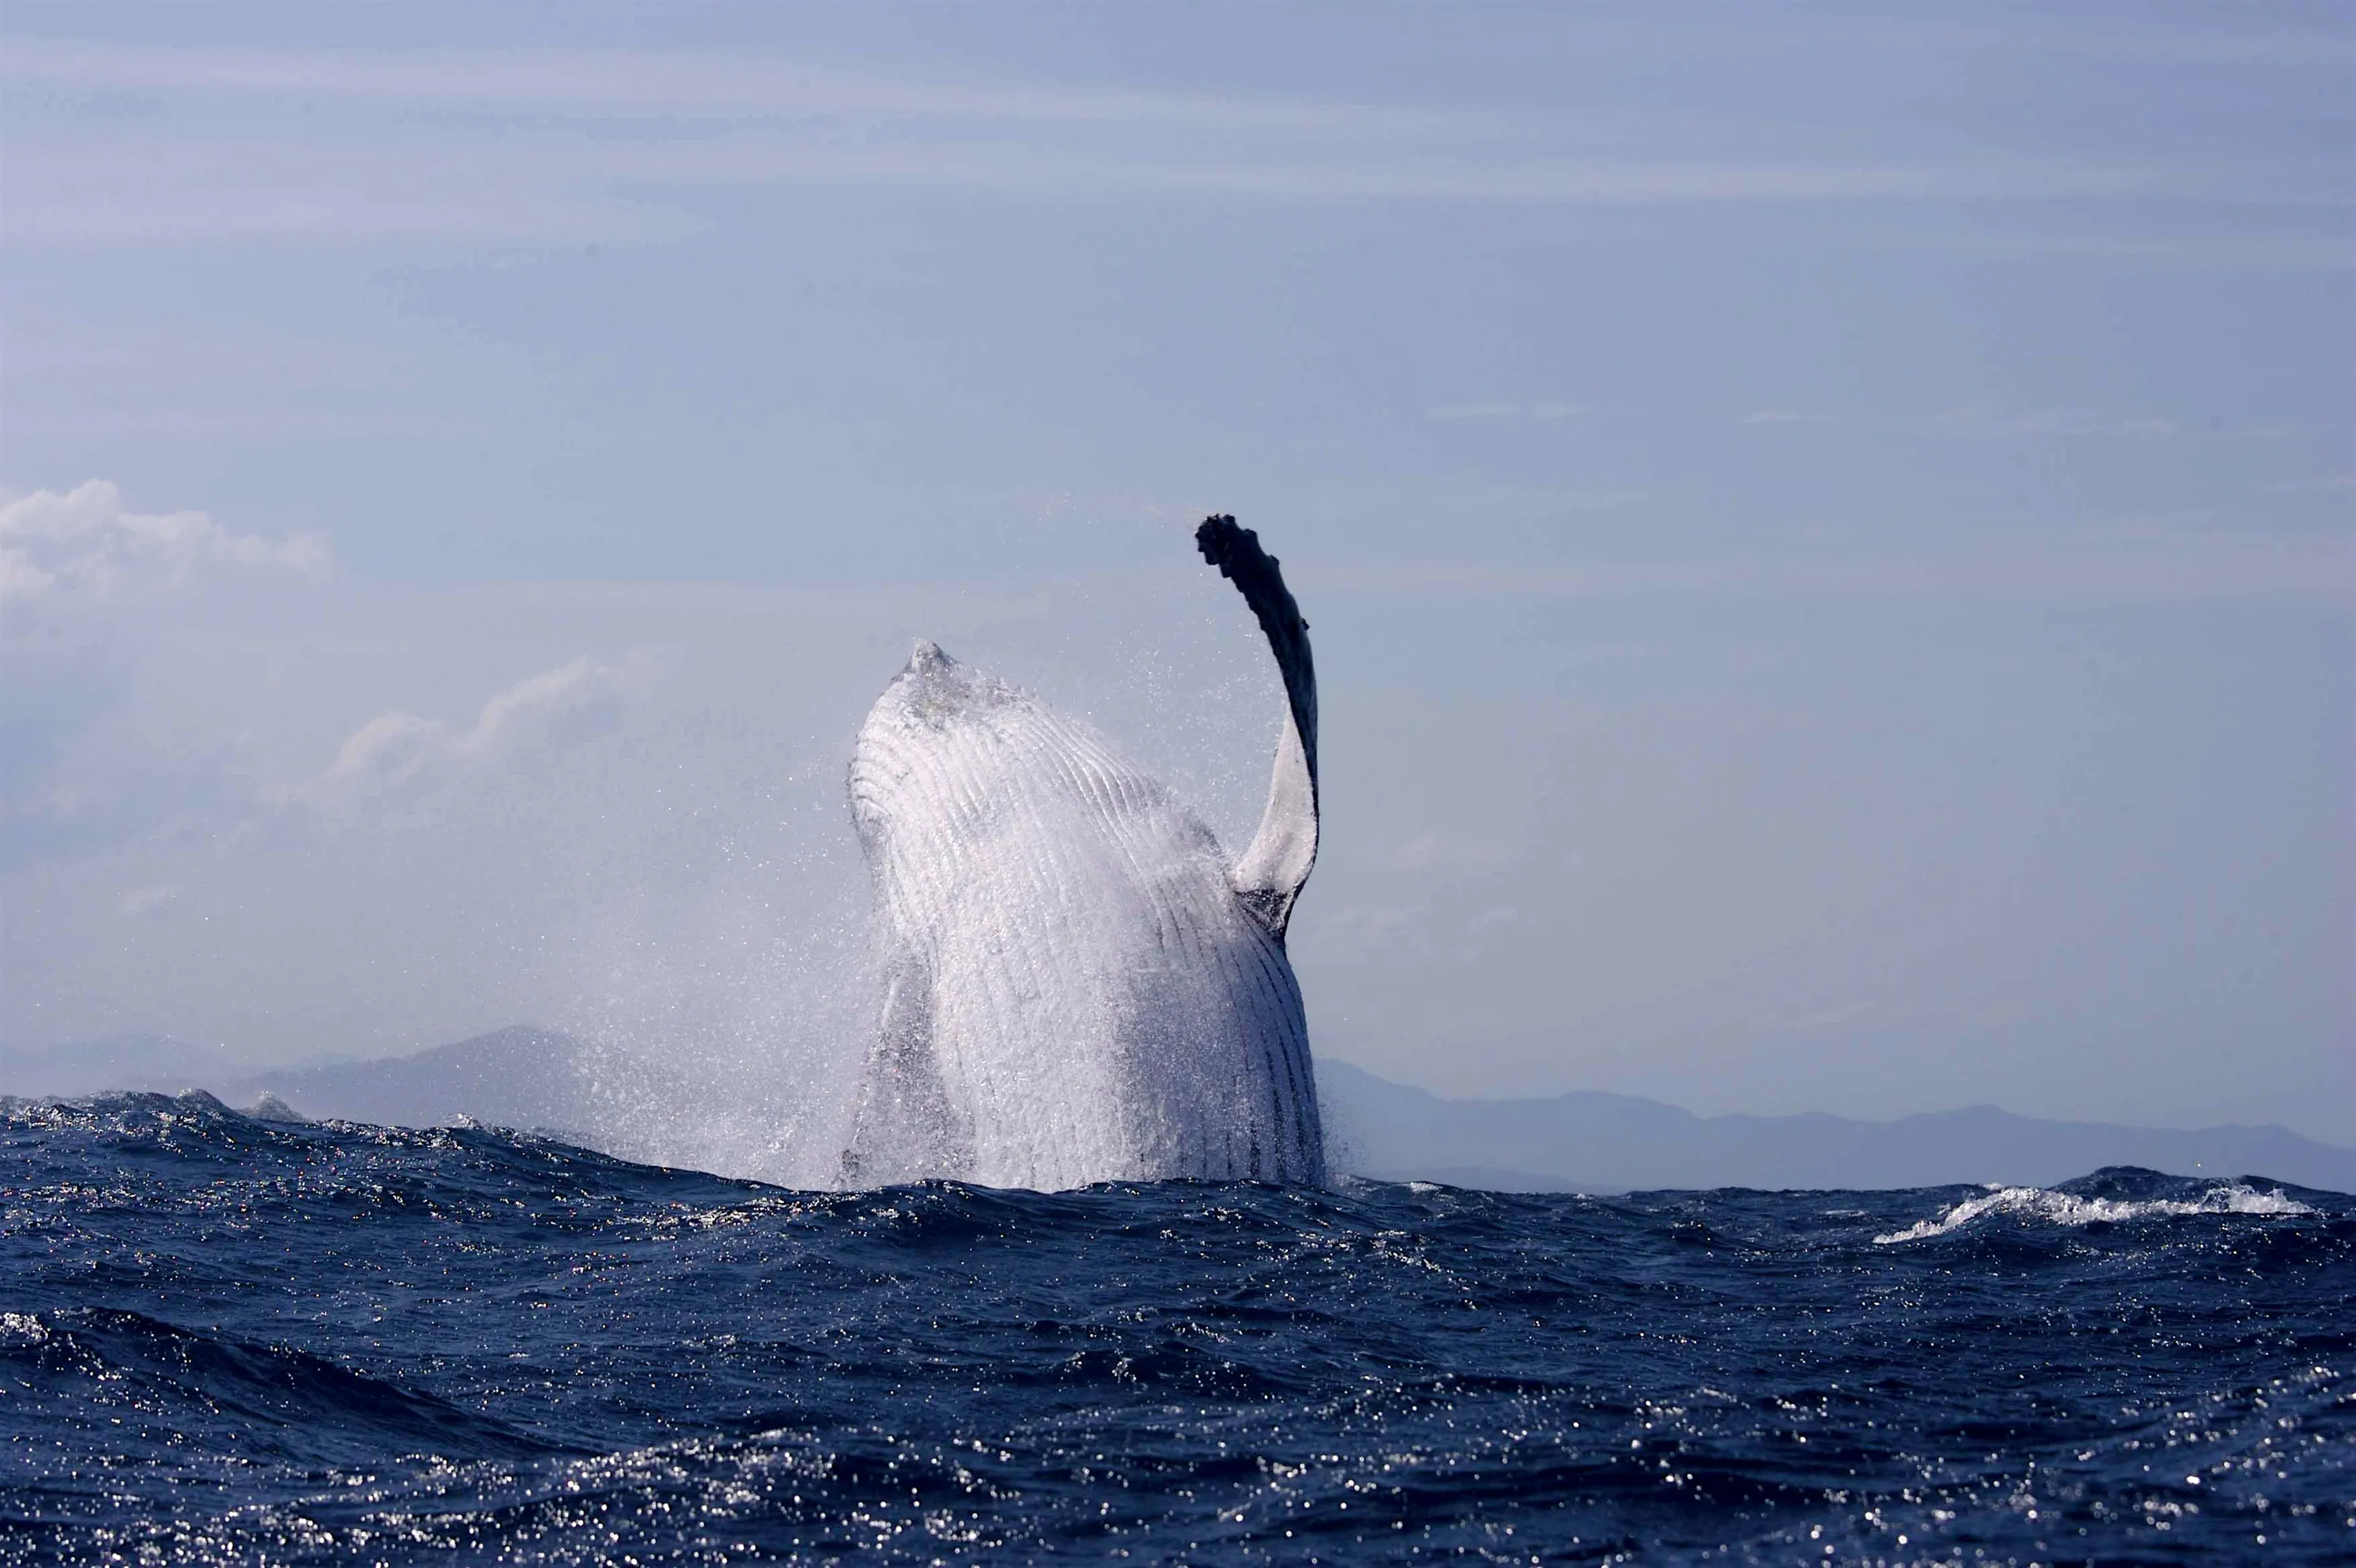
{"points": [[2056, 1207]]}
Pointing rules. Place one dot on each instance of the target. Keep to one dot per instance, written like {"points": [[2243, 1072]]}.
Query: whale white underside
{"points": [[1075, 990]]}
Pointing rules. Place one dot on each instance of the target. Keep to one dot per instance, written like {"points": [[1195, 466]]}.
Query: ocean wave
{"points": [[2060, 1207], [81, 1366], [233, 1340]]}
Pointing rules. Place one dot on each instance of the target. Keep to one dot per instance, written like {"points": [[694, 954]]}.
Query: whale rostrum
{"points": [[1077, 984]]}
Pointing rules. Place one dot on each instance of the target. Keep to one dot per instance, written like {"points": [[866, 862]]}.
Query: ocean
{"points": [[232, 1341]]}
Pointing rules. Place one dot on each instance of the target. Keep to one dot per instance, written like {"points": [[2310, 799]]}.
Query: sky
{"points": [[1826, 531]]}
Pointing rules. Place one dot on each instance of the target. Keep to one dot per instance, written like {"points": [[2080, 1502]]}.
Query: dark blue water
{"points": [[238, 1342]]}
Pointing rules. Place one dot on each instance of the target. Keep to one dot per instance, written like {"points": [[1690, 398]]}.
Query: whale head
{"points": [[932, 689], [934, 707]]}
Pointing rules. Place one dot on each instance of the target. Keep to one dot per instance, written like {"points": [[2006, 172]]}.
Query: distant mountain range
{"points": [[154, 1063], [519, 1077], [1591, 1143], [533, 1078]]}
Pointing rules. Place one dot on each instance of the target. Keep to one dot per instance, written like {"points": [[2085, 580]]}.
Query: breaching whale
{"points": [[1078, 986]]}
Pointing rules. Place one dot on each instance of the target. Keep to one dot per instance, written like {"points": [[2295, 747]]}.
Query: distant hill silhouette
{"points": [[520, 1076], [534, 1078], [155, 1063], [1592, 1142], [515, 1077]]}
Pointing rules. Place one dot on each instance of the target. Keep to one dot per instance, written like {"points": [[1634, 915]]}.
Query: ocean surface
{"points": [[224, 1339]]}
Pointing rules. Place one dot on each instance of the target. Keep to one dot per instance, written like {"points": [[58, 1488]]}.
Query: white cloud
{"points": [[2334, 484], [1981, 420], [637, 81], [1548, 410], [84, 542], [1833, 1017], [2161, 566], [140, 903], [390, 749], [548, 712], [572, 160]]}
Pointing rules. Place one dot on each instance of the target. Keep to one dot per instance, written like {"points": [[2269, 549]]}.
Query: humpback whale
{"points": [[1078, 985]]}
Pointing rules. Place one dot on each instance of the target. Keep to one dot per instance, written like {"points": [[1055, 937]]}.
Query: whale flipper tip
{"points": [[1236, 551]]}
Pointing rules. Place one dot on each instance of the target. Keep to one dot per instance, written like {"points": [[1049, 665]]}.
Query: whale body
{"points": [[1080, 986]]}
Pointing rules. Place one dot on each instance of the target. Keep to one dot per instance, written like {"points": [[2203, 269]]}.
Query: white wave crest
{"points": [[2068, 1209]]}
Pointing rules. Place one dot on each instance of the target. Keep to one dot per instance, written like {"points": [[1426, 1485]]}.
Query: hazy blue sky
{"points": [[1827, 529]]}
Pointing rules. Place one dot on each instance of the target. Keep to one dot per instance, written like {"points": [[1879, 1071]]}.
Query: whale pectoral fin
{"points": [[1269, 874], [903, 1128]]}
